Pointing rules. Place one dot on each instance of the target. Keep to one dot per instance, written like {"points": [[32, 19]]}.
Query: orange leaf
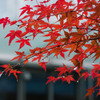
{"points": [[62, 70], [90, 91], [68, 79], [43, 64], [4, 21], [52, 78], [13, 34], [20, 55], [15, 72], [23, 42], [24, 9]]}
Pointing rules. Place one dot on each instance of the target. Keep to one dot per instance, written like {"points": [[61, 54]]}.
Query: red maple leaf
{"points": [[45, 1], [4, 21], [90, 91], [78, 1], [85, 74], [26, 9], [13, 34], [9, 68], [13, 22], [62, 70], [59, 50], [96, 66], [20, 55], [68, 78], [43, 64], [23, 42], [15, 72], [53, 79], [98, 93]]}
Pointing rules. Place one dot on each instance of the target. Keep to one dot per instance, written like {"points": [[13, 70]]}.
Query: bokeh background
{"points": [[32, 83]]}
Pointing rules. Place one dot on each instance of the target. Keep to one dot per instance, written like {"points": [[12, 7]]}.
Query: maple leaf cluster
{"points": [[76, 31], [9, 68]]}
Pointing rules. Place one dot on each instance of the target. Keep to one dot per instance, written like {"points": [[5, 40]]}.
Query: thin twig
{"points": [[61, 45], [62, 29]]}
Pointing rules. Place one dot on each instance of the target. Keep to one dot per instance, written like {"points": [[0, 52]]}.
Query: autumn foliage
{"points": [[76, 30]]}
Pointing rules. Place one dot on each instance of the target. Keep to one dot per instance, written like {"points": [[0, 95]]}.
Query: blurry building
{"points": [[32, 84]]}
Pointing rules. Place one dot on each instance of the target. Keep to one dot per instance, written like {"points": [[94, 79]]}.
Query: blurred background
{"points": [[32, 83]]}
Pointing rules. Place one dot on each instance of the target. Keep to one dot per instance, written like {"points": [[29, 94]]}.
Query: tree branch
{"points": [[62, 29], [60, 46]]}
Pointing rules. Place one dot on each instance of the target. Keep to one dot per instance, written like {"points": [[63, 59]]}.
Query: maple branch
{"points": [[63, 13], [90, 54], [89, 18], [62, 29], [14, 66], [69, 12], [59, 46], [68, 27]]}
